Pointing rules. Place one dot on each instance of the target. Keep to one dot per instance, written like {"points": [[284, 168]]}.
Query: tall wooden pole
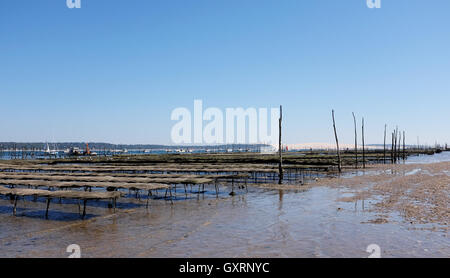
{"points": [[356, 142], [280, 165], [404, 145], [392, 148], [363, 145], [384, 152], [395, 144], [337, 143]]}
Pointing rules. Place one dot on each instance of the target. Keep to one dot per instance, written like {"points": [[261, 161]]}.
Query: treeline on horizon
{"points": [[109, 146]]}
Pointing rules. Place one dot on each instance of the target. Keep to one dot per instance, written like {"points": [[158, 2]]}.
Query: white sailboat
{"points": [[47, 151]]}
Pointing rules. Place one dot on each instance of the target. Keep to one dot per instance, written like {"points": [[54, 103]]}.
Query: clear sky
{"points": [[114, 70]]}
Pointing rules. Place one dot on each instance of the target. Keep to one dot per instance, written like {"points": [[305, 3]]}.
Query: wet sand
{"points": [[403, 210], [420, 193]]}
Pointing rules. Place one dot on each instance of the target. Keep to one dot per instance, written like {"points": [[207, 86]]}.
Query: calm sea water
{"points": [[439, 157]]}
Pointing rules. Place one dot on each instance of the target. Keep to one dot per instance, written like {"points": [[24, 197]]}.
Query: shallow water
{"points": [[260, 223], [425, 159]]}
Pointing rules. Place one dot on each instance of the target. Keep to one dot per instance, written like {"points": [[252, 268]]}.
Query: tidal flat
{"points": [[402, 208]]}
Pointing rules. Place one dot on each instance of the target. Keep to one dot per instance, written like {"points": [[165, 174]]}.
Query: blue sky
{"points": [[114, 70]]}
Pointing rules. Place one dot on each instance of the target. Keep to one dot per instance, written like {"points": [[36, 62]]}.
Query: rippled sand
{"points": [[329, 218]]}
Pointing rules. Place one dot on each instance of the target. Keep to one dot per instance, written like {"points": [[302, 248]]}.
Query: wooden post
{"points": [[392, 148], [84, 208], [384, 149], [395, 144], [280, 165], [15, 205], [356, 142], [404, 145], [48, 205], [363, 145], [337, 143]]}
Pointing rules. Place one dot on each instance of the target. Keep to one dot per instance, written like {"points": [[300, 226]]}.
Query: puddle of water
{"points": [[413, 172]]}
